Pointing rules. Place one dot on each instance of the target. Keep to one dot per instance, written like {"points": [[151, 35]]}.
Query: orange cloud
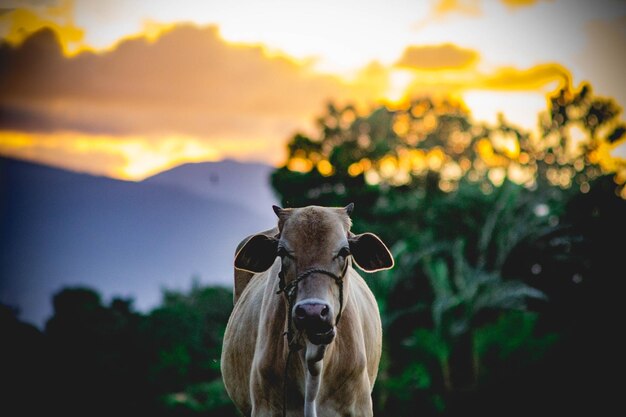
{"points": [[538, 78], [473, 7], [462, 6], [534, 78], [436, 57], [520, 3], [187, 83], [18, 24]]}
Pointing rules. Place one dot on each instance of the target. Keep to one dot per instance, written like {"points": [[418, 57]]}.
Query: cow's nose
{"points": [[312, 315], [311, 311]]}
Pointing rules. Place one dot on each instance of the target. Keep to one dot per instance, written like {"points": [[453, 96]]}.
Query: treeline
{"points": [[94, 359], [504, 298]]}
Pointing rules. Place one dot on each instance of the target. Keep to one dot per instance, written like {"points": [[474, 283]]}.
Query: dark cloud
{"points": [[188, 81]]}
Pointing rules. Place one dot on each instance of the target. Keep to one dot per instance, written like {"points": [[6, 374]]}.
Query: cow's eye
{"points": [[283, 253], [344, 252]]}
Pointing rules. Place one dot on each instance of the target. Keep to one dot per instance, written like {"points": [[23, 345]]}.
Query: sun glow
{"points": [[131, 157], [519, 108]]}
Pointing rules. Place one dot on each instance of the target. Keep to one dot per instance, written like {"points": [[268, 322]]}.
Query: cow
{"points": [[304, 337]]}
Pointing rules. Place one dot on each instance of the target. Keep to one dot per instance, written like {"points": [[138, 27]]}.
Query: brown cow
{"points": [[314, 348]]}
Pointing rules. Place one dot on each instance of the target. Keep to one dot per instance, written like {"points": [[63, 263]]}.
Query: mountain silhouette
{"points": [[128, 239], [244, 184]]}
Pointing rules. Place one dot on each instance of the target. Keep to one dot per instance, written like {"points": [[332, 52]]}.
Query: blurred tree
{"points": [[96, 359], [463, 204], [184, 342], [24, 364], [95, 355]]}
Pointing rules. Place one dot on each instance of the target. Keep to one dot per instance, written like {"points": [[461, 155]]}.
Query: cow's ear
{"points": [[257, 254], [370, 253]]}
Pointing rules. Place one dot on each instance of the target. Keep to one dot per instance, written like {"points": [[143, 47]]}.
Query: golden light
{"points": [[451, 171], [299, 164], [485, 150], [144, 159], [506, 143], [19, 23], [429, 123], [520, 174], [355, 169], [435, 158], [399, 81], [372, 177], [496, 176], [325, 168], [387, 166], [400, 178], [464, 164], [576, 135], [418, 160], [128, 157], [608, 162], [519, 107], [401, 124]]}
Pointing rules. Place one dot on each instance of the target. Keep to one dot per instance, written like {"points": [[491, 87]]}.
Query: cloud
{"points": [[23, 18], [473, 7], [470, 7], [435, 57], [539, 79], [520, 3], [188, 84], [534, 78], [606, 46], [188, 81]]}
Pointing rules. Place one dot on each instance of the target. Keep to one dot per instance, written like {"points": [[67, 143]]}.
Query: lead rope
{"points": [[291, 290]]}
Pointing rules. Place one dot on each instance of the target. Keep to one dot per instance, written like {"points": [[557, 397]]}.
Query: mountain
{"points": [[130, 239], [227, 180]]}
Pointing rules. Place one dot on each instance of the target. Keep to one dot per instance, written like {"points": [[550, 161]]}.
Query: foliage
{"points": [[115, 361], [462, 205], [184, 336]]}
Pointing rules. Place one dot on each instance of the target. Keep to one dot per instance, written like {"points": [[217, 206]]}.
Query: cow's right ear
{"points": [[258, 254]]}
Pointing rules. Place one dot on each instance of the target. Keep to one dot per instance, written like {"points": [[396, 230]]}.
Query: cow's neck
{"points": [[313, 356]]}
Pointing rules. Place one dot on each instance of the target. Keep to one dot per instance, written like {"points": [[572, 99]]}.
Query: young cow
{"points": [[304, 337]]}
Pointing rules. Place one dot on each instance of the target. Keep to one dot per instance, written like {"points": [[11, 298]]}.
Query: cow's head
{"points": [[316, 249]]}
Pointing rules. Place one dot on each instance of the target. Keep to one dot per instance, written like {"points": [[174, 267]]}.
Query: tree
{"points": [[462, 204], [184, 342], [95, 354]]}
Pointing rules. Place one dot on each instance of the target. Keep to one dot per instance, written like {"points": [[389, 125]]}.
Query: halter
{"points": [[291, 291]]}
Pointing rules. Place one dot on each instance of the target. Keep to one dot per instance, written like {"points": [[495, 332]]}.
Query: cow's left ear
{"points": [[370, 253], [257, 254]]}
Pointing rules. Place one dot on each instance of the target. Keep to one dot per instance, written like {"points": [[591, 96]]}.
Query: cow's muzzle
{"points": [[315, 318]]}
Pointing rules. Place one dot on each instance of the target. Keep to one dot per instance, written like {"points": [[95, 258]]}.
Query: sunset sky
{"points": [[129, 88]]}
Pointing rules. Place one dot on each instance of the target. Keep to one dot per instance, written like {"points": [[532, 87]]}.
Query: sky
{"points": [[128, 88]]}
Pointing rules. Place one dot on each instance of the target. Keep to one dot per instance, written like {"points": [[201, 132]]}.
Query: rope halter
{"points": [[291, 291]]}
